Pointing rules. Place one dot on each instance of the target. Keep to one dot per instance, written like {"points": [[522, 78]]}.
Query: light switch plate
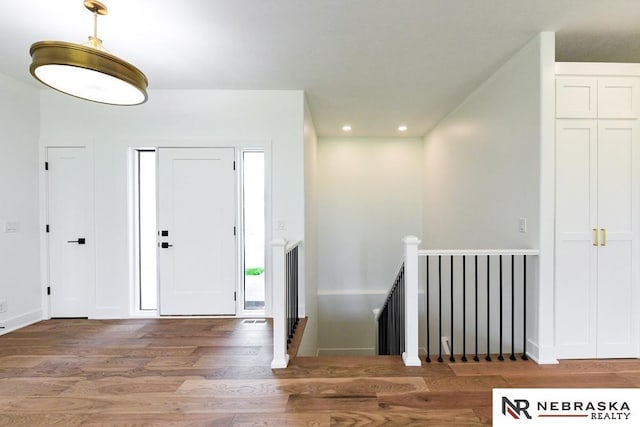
{"points": [[11, 226], [522, 225]]}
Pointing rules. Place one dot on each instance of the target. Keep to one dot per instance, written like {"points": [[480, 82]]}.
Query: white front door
{"points": [[70, 224], [197, 236]]}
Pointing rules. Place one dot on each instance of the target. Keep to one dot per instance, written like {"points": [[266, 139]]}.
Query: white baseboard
{"points": [[541, 355], [21, 321], [109, 312], [368, 351]]}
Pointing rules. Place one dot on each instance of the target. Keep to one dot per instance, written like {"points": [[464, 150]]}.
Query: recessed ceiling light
{"points": [[346, 128], [402, 128]]}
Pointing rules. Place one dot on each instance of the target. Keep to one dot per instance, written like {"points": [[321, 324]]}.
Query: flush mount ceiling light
{"points": [[346, 128], [87, 70], [402, 128]]}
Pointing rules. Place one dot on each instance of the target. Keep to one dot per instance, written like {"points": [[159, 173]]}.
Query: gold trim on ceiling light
{"points": [[91, 57]]}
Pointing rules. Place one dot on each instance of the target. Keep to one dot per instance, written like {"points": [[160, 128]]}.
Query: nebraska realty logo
{"points": [[570, 407]]}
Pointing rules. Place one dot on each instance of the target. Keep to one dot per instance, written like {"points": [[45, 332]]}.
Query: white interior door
{"points": [[197, 256], [576, 266], [71, 246], [617, 252]]}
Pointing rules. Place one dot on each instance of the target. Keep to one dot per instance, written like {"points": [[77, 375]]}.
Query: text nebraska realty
{"points": [[596, 410]]}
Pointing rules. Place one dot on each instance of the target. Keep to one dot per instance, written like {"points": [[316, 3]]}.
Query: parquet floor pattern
{"points": [[215, 372]]}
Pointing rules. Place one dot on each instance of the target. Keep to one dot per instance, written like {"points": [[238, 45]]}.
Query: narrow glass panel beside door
{"points": [[253, 202], [147, 254]]}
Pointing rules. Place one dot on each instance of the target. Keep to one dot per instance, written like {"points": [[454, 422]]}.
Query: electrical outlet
{"points": [[445, 345], [3, 306]]}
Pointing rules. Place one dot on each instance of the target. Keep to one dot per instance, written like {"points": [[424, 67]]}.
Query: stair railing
{"points": [[285, 290], [397, 320], [476, 302]]}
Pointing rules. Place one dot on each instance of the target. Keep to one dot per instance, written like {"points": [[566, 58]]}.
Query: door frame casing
{"points": [[239, 147]]}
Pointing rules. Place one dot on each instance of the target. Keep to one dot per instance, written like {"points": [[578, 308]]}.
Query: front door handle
{"points": [[165, 245], [80, 241]]}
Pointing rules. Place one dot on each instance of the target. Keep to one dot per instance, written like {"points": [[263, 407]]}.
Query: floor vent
{"points": [[255, 321]]}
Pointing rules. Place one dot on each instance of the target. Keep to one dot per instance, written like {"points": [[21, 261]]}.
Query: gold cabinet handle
{"points": [[595, 237], [603, 242]]}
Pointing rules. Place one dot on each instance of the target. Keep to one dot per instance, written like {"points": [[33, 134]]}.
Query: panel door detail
{"points": [[70, 218], [576, 268], [576, 97], [618, 98], [597, 210], [617, 334], [197, 257]]}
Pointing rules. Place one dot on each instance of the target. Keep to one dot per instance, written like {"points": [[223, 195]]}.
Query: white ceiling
{"points": [[371, 63]]}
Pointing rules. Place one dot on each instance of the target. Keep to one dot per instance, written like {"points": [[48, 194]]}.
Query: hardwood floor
{"points": [[202, 372]]}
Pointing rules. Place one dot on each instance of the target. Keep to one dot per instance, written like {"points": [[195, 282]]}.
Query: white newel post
{"points": [[280, 356], [410, 355]]}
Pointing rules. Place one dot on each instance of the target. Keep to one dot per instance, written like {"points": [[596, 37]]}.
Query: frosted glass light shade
{"points": [[88, 73]]}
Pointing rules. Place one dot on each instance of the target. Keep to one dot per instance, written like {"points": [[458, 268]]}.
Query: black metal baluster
{"points": [[392, 320], [513, 348], [288, 296], [296, 282], [401, 301], [428, 359], [440, 308], [464, 308], [476, 358], [500, 356], [297, 286], [524, 305], [387, 331], [291, 295], [451, 354], [292, 290], [488, 357]]}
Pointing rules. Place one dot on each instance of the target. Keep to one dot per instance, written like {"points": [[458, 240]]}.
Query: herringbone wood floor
{"points": [[216, 372]]}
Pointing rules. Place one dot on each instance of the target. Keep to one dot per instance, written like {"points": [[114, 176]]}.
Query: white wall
{"points": [[309, 344], [20, 284], [484, 161], [270, 119], [369, 198]]}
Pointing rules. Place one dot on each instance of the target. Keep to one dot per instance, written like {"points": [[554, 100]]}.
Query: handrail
{"points": [[292, 244], [460, 252], [388, 294], [390, 320]]}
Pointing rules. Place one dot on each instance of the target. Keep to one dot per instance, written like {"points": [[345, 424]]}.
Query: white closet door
{"points": [[576, 267], [618, 98], [617, 334], [576, 97]]}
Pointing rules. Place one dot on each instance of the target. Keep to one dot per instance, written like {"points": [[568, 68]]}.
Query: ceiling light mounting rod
{"points": [[96, 8]]}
